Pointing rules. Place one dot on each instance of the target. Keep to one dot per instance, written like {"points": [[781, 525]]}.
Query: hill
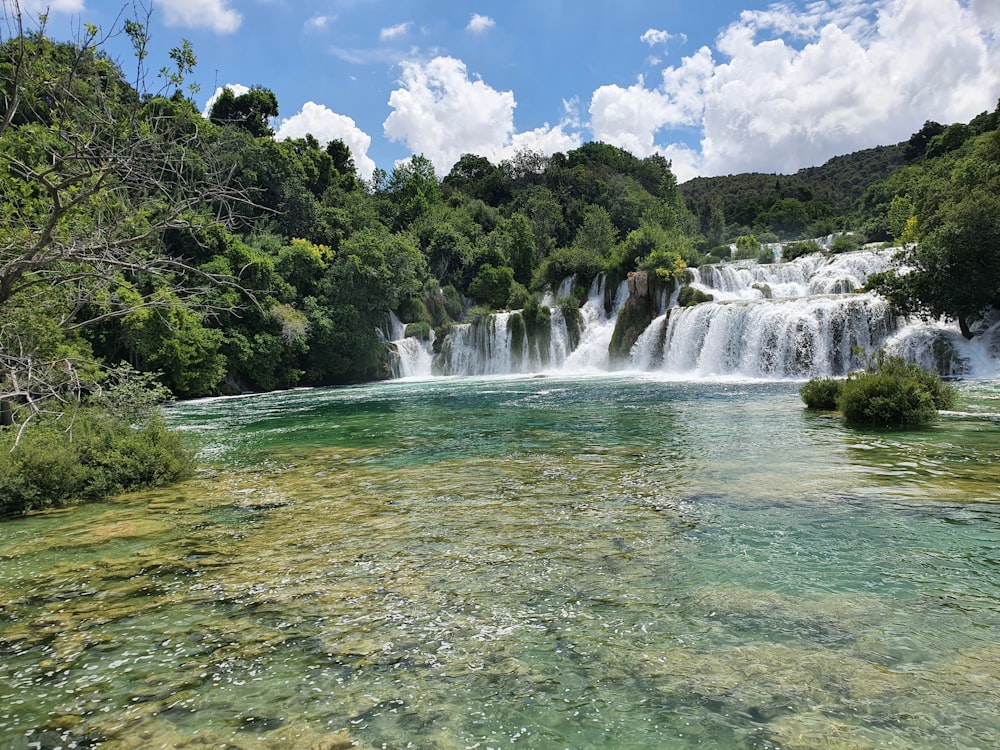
{"points": [[814, 201]]}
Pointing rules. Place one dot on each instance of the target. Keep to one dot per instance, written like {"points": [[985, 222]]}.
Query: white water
{"points": [[794, 320], [414, 358], [786, 338], [597, 327], [487, 347]]}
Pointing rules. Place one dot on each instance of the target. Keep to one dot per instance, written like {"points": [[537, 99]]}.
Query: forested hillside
{"points": [[137, 233], [813, 202]]}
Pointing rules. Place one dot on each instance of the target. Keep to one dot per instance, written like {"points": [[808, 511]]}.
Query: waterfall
{"points": [[597, 327], [794, 320], [938, 345], [787, 338], [409, 356], [492, 346]]}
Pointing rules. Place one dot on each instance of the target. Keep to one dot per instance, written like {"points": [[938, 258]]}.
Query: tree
{"points": [[250, 111], [954, 269], [597, 234], [492, 285], [413, 189], [94, 172]]}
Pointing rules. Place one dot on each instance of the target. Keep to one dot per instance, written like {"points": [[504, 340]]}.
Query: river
{"points": [[620, 561]]}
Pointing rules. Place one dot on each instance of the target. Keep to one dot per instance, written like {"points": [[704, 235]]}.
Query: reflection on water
{"points": [[521, 563]]}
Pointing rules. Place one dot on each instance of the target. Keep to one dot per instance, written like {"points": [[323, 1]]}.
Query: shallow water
{"points": [[528, 562]]}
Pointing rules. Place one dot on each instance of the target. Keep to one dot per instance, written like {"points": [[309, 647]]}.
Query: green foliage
{"points": [[954, 269], [250, 111], [689, 296], [666, 264], [878, 400], [581, 263], [654, 245], [536, 317], [574, 320], [324, 258], [597, 235], [794, 250], [413, 310], [453, 302], [821, 393], [97, 456], [901, 219], [813, 202], [412, 192], [846, 243], [893, 393], [420, 330], [949, 139], [132, 396], [747, 247], [176, 342], [492, 286]]}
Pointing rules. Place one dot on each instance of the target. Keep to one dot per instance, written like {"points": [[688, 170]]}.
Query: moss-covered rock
{"points": [[642, 306], [689, 296]]}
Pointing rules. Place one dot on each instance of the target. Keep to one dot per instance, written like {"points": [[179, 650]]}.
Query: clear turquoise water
{"points": [[535, 562]]}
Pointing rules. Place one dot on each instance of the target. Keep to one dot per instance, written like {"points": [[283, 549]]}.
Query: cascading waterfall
{"points": [[597, 327], [411, 357], [492, 346], [787, 338], [798, 319]]}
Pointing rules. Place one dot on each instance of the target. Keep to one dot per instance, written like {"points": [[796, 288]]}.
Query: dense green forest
{"points": [[141, 243]]}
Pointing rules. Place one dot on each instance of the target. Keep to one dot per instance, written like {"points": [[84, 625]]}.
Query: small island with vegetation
{"points": [[888, 393]]}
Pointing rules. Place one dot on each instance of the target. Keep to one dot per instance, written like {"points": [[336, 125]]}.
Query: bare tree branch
{"points": [[94, 173]]}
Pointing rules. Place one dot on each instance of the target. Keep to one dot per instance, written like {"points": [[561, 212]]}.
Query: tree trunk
{"points": [[963, 326], [6, 413]]}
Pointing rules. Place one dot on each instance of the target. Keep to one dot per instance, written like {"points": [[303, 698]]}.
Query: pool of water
{"points": [[526, 562]]}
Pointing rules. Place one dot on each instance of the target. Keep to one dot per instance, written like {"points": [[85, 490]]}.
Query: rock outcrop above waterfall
{"points": [[644, 303]]}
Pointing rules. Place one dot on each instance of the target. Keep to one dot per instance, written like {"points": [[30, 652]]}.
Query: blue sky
{"points": [[718, 87]]}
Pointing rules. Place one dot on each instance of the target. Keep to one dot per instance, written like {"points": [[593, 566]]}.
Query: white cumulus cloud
{"points": [[655, 37], [478, 24], [201, 14], [34, 7], [791, 88], [631, 117], [442, 113], [326, 125], [392, 32], [238, 89], [318, 23]]}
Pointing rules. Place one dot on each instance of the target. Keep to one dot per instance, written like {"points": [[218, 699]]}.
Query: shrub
{"points": [[103, 455], [747, 247], [562, 263], [413, 310], [492, 285], [421, 330], [885, 401], [574, 320], [766, 255], [519, 296], [688, 296], [821, 393], [794, 250], [846, 243], [893, 393]]}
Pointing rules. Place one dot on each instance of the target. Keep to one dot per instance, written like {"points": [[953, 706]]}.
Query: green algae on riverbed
{"points": [[540, 563]]}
